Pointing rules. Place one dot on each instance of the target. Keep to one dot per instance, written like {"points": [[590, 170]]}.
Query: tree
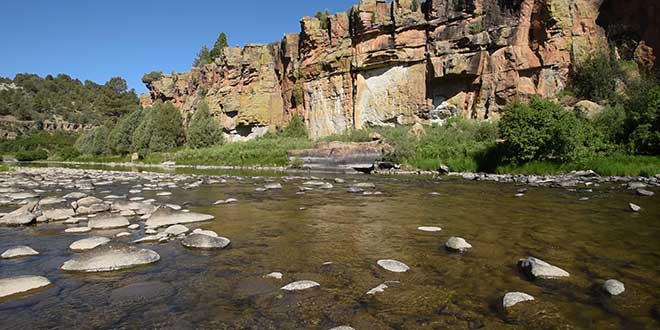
{"points": [[121, 136], [219, 47], [117, 85], [324, 18], [203, 57], [93, 142], [203, 130], [161, 129], [152, 76]]}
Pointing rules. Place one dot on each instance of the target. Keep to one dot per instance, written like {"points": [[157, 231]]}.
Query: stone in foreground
{"points": [[205, 242], [19, 251], [393, 265], [89, 243], [512, 298], [457, 244], [111, 258], [19, 284], [537, 268], [21, 216], [614, 287], [165, 216], [300, 285], [429, 229], [634, 207]]}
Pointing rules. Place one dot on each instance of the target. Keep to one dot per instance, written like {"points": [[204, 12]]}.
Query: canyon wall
{"points": [[394, 63]]}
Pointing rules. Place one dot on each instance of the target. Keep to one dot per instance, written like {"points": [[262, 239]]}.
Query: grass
{"points": [[613, 165], [6, 168]]}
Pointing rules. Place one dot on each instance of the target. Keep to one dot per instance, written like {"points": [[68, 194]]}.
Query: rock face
{"points": [[19, 284], [398, 62]]}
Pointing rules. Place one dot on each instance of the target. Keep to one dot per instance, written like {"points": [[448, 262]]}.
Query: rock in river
{"points": [[537, 268], [614, 287], [22, 216], [165, 216], [111, 258], [300, 285], [19, 251], [109, 222], [176, 230], [393, 265], [644, 192], [457, 244], [634, 207], [512, 298], [58, 214], [77, 230], [201, 241], [343, 327], [89, 243], [13, 285], [429, 229]]}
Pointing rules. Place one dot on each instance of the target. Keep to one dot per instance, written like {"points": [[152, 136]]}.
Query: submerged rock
{"points": [[19, 284], [275, 275], [634, 207], [111, 258], [614, 287], [109, 222], [512, 298], [537, 268], [300, 285], [644, 192], [379, 289], [165, 216], [19, 251], [88, 243], [457, 244], [393, 265], [343, 327], [201, 241]]}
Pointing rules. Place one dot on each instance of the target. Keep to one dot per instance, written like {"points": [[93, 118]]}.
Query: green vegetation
{"points": [[295, 129], [121, 136], [415, 5], [161, 130], [6, 168], [94, 141], [203, 130], [206, 56], [152, 76], [596, 78], [324, 18], [39, 99], [40, 145], [203, 57]]}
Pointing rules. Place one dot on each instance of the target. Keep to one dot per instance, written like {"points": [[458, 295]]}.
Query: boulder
{"points": [[644, 192], [429, 229], [614, 287], [512, 298], [537, 268], [108, 222], [393, 265], [300, 285], [588, 109], [20, 284], [165, 216], [18, 252], [22, 216], [110, 258], [457, 244], [205, 242], [58, 214], [88, 243], [176, 230], [634, 207]]}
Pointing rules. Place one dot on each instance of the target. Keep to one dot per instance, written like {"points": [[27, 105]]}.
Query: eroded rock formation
{"points": [[399, 62]]}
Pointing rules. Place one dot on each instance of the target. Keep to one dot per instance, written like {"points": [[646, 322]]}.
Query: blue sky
{"points": [[97, 40]]}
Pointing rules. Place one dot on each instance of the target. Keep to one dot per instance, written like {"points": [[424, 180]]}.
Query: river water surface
{"points": [[335, 238]]}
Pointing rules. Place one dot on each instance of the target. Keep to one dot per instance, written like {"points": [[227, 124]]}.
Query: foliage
{"points": [[161, 129], [642, 123], [596, 78], [543, 130], [152, 76], [203, 130], [324, 18], [56, 143], [477, 27], [218, 49], [415, 5], [31, 155], [203, 57], [94, 141], [42, 99], [121, 136], [5, 168], [297, 95], [295, 129]]}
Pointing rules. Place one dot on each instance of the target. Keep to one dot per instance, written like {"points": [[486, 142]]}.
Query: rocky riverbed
{"points": [[121, 249]]}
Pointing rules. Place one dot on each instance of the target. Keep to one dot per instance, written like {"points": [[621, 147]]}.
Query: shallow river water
{"points": [[335, 238]]}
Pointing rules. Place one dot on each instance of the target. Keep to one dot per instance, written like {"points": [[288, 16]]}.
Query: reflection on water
{"points": [[335, 238]]}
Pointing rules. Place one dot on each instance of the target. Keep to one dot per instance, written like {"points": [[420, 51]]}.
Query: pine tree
{"points": [[203, 130], [219, 46]]}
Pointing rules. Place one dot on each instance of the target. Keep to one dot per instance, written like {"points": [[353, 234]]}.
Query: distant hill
{"points": [[30, 102]]}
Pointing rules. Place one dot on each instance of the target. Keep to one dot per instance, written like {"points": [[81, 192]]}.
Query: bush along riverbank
{"points": [[618, 136]]}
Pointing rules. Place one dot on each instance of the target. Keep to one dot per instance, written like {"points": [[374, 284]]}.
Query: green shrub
{"points": [[121, 136], [161, 129], [643, 117], [295, 129], [203, 130], [152, 76], [596, 78], [543, 130], [94, 141], [31, 155], [324, 18], [611, 123]]}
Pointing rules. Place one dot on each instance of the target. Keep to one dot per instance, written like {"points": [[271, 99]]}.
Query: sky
{"points": [[96, 40]]}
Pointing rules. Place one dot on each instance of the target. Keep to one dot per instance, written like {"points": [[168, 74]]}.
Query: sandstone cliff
{"points": [[399, 62]]}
